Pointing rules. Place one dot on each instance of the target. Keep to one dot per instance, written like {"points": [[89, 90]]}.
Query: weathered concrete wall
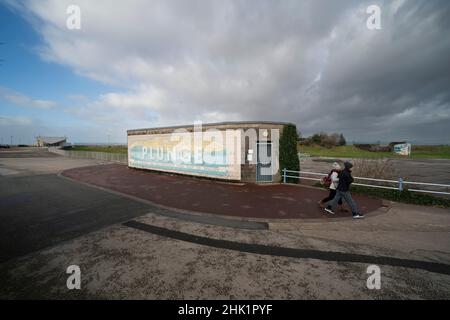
{"points": [[180, 153], [245, 170], [248, 172]]}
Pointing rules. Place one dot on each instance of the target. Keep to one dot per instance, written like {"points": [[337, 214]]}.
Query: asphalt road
{"points": [[38, 211], [27, 153]]}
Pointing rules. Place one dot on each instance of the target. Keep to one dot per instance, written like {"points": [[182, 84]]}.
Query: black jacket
{"points": [[345, 180]]}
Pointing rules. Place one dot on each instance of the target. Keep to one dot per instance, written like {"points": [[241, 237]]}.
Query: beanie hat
{"points": [[348, 165]]}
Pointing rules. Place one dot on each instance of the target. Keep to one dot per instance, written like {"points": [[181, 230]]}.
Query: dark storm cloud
{"points": [[314, 63]]}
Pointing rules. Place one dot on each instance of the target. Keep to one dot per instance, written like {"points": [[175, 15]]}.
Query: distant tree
{"points": [[331, 140], [316, 138], [299, 135], [342, 141], [327, 140]]}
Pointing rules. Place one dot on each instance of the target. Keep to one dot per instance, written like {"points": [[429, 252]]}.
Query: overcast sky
{"points": [[156, 63]]}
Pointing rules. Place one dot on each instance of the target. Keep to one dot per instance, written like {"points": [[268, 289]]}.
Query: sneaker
{"points": [[358, 216], [329, 210]]}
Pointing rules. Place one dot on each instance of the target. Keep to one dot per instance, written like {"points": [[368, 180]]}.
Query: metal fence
{"points": [[103, 156], [399, 184]]}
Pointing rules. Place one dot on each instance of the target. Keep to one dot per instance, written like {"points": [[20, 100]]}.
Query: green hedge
{"points": [[288, 150]]}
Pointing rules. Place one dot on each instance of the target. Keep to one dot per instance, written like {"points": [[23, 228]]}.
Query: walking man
{"points": [[345, 180]]}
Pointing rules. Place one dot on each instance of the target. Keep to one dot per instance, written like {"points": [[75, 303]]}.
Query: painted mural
{"points": [[180, 153]]}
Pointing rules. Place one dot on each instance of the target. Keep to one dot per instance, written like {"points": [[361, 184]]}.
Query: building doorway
{"points": [[264, 162]]}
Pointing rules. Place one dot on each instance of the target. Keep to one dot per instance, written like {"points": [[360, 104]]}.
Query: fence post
{"points": [[284, 175], [400, 184]]}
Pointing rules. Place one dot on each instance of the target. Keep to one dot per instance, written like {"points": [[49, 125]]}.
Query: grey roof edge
{"points": [[51, 139], [46, 137], [214, 124]]}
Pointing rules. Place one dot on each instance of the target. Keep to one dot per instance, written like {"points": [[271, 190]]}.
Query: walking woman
{"points": [[333, 179]]}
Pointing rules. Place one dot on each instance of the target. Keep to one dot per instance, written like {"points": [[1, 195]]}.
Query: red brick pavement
{"points": [[278, 201]]}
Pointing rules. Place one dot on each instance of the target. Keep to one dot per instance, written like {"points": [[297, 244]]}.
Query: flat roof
{"points": [[51, 140], [215, 124]]}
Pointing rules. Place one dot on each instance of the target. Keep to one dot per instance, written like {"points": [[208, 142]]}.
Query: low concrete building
{"points": [[51, 141], [232, 151]]}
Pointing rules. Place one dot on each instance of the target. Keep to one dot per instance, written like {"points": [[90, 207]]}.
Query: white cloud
{"points": [[15, 121], [22, 100]]}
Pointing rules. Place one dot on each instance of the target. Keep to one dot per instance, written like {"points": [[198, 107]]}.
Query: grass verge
{"points": [[108, 149], [418, 152]]}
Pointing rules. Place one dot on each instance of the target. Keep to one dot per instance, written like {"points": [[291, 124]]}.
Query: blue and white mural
{"points": [[179, 153]]}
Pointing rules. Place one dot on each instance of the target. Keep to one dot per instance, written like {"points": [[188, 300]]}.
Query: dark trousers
{"points": [[347, 197], [331, 196]]}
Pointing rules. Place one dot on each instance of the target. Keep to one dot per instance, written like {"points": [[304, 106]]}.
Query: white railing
{"points": [[104, 156], [398, 184]]}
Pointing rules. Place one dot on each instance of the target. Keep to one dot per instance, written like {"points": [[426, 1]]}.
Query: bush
{"points": [[304, 142], [326, 140], [374, 168], [288, 157], [404, 196], [365, 147], [373, 147]]}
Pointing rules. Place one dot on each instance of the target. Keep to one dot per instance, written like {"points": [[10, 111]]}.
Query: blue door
{"points": [[264, 162]]}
